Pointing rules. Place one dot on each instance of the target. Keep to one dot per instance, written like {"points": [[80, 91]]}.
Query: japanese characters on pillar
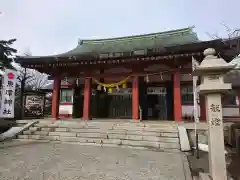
{"points": [[8, 94], [215, 115]]}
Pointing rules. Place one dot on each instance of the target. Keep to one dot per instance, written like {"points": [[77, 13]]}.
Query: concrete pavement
{"points": [[51, 161]]}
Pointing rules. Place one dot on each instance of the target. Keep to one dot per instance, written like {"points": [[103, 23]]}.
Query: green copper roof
{"points": [[96, 47], [133, 43]]}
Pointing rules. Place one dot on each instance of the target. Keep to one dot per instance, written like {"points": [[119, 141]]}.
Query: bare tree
{"points": [[28, 79], [232, 40], [34, 80]]}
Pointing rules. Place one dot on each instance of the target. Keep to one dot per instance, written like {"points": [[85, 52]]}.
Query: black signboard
{"points": [[34, 106]]}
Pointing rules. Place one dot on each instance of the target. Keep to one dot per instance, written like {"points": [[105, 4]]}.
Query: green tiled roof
{"points": [[97, 47], [133, 43]]}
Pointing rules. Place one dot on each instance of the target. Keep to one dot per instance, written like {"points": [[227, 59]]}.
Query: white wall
{"points": [[65, 109]]}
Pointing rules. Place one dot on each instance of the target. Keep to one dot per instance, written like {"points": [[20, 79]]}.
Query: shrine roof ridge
{"points": [[133, 37]]}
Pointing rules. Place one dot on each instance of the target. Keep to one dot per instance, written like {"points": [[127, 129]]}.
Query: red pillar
{"points": [[177, 97], [87, 98], [135, 98], [202, 102], [55, 98]]}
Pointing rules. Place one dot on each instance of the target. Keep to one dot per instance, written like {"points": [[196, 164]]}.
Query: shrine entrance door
{"points": [[120, 104], [157, 103]]}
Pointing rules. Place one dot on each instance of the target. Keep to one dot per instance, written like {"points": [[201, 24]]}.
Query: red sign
{"points": [[11, 75]]}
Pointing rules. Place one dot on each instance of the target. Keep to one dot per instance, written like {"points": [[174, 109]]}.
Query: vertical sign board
{"points": [[8, 94]]}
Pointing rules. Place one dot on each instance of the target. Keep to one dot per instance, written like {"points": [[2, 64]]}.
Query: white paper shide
{"points": [[8, 94]]}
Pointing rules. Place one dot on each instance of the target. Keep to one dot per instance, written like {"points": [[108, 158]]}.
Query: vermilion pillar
{"points": [[87, 98], [202, 108], [177, 97], [135, 98], [55, 98]]}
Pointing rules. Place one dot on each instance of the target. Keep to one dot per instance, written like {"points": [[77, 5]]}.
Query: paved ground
{"points": [[73, 162]]}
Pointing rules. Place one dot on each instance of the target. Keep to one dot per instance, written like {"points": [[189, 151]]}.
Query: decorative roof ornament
{"points": [[80, 42]]}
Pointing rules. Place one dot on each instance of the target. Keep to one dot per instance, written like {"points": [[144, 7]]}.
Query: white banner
{"points": [[8, 94], [195, 91]]}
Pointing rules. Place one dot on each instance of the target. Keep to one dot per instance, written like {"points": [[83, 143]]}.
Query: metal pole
{"points": [[140, 113], [197, 148]]}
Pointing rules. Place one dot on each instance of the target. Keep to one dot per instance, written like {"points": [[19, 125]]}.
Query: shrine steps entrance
{"points": [[160, 136]]}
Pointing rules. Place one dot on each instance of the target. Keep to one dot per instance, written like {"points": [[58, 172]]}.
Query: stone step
{"points": [[123, 134], [46, 125], [156, 145], [131, 126], [34, 128], [148, 129], [22, 121], [39, 137], [47, 129], [117, 130], [83, 126], [116, 136], [35, 133], [109, 131], [128, 127]]}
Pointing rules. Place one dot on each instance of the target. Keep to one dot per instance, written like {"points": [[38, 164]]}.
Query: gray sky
{"points": [[54, 26]]}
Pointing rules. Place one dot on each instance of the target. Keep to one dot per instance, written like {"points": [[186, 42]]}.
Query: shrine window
{"points": [[126, 54], [229, 99], [187, 95], [106, 55], [150, 51], [118, 54], [66, 96], [139, 52]]}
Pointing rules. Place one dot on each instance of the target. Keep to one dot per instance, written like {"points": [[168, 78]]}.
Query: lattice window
{"points": [[229, 99], [66, 96], [187, 95]]}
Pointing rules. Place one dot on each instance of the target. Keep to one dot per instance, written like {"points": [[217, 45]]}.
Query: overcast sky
{"points": [[54, 26]]}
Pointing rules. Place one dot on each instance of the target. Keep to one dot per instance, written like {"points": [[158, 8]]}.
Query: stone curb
{"points": [[5, 135]]}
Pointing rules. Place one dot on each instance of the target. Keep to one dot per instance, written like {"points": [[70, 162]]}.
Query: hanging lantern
{"points": [[124, 85], [161, 76], [99, 87], [66, 79], [147, 79], [77, 81], [110, 90], [117, 88]]}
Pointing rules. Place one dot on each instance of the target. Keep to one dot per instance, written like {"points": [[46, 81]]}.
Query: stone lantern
{"points": [[211, 71]]}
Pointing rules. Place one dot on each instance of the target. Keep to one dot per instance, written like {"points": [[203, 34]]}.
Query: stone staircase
{"points": [[162, 136]]}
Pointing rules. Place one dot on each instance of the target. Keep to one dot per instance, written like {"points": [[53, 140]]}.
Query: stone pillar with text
{"points": [[212, 86]]}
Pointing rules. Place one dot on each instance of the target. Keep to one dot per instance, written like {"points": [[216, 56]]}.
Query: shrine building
{"points": [[142, 77]]}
